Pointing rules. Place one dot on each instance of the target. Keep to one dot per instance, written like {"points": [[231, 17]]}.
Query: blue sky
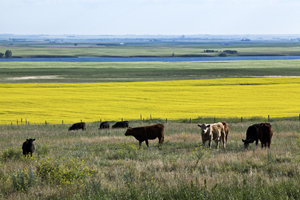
{"points": [[166, 17]]}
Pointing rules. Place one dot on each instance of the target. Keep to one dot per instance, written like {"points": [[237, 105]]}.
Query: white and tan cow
{"points": [[212, 132]]}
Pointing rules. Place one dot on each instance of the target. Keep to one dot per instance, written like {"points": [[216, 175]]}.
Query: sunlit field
{"points": [[89, 102]]}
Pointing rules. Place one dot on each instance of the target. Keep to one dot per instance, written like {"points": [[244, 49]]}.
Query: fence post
{"points": [[122, 119], [45, 122], [241, 119], [214, 120], [17, 122], [166, 120], [141, 117], [268, 118], [150, 116], [299, 117], [190, 120], [62, 121], [100, 121], [26, 121]]}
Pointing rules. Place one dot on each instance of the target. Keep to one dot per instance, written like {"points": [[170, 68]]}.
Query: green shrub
{"points": [[64, 171], [22, 180], [11, 154]]}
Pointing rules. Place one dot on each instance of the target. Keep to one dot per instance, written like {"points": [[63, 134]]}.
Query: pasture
{"points": [[105, 164]]}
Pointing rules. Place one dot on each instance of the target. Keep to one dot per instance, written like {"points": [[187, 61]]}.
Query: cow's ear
{"points": [[208, 125], [129, 128], [243, 140], [27, 140], [199, 125], [33, 139]]}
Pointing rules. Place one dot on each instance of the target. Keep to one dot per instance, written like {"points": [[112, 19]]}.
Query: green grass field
{"points": [[161, 49], [55, 72], [105, 164]]}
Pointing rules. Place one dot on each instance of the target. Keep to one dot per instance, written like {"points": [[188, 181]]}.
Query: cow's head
{"points": [[247, 142], [129, 131], [204, 127], [30, 141]]}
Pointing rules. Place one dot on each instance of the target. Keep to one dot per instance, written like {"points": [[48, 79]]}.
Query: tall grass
{"points": [[104, 164]]}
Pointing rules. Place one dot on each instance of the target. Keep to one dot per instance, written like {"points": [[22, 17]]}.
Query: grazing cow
{"points": [[212, 132], [145, 133], [226, 129], [28, 147], [123, 124], [252, 135], [76, 126], [265, 133], [104, 125]]}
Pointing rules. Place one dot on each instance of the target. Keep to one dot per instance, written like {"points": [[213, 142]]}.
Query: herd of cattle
{"points": [[217, 132]]}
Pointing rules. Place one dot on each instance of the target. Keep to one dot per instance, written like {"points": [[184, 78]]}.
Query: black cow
{"points": [[123, 124], [104, 125], [28, 147], [252, 135], [76, 126]]}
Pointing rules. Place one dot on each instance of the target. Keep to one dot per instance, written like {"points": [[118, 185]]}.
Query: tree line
{"points": [[7, 54]]}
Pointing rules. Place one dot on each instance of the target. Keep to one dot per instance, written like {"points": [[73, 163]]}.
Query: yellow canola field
{"points": [[89, 102]]}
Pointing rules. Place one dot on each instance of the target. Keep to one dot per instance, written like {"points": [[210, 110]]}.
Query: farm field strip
{"points": [[235, 97]]}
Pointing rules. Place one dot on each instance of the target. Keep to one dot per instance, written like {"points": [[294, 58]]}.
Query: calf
{"points": [[212, 132], [28, 147], [265, 133], [76, 126], [104, 125], [123, 124], [145, 133]]}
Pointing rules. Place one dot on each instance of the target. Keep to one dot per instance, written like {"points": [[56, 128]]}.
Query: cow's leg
{"points": [[147, 142], [217, 142], [209, 143], [223, 138], [140, 143]]}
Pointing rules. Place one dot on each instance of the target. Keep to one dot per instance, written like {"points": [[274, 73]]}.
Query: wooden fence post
{"points": [[190, 120], [166, 120], [62, 121], [17, 122], [141, 117], [268, 118], [45, 122], [241, 119]]}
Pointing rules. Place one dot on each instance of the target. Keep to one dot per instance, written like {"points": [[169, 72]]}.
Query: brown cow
{"points": [[265, 133], [226, 129], [145, 133]]}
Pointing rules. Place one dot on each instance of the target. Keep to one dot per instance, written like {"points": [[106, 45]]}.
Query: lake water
{"points": [[148, 59]]}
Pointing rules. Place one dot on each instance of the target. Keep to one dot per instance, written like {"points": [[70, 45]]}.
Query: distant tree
{"points": [[75, 44], [8, 53], [222, 55], [1, 55]]}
